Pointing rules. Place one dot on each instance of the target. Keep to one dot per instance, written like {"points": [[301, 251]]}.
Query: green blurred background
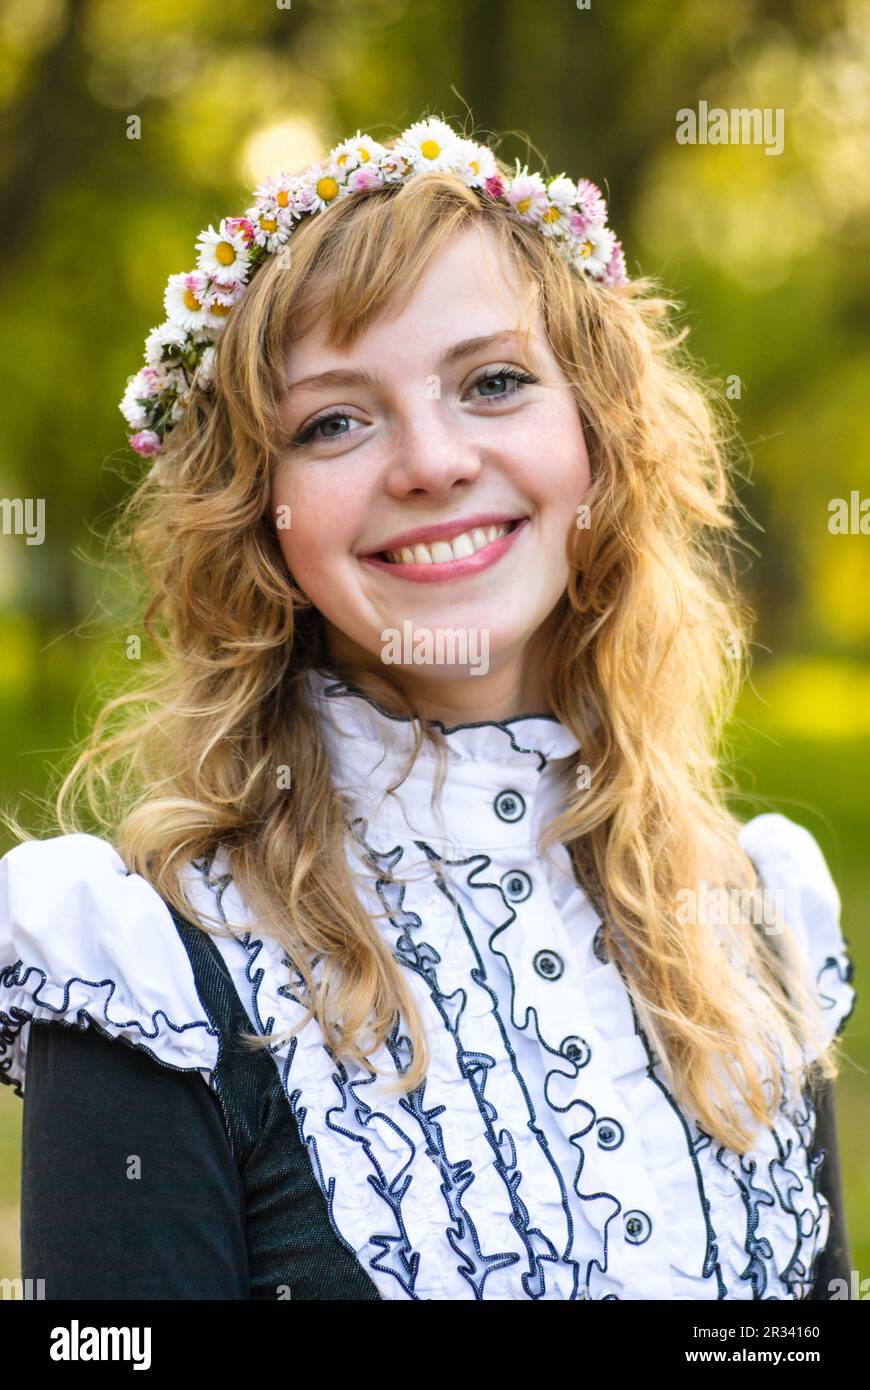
{"points": [[768, 253]]}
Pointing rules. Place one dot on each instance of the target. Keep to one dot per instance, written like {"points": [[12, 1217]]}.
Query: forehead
{"points": [[471, 286]]}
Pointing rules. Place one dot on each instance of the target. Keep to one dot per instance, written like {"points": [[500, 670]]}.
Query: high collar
{"points": [[486, 761]]}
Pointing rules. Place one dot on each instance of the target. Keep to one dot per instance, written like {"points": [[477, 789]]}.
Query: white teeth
{"points": [[440, 552], [463, 546]]}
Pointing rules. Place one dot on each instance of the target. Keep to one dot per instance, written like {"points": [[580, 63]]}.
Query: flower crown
{"points": [[180, 352]]}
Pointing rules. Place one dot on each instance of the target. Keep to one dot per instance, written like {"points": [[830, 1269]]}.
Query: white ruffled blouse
{"points": [[544, 1157]]}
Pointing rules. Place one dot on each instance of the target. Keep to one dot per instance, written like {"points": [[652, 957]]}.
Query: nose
{"points": [[431, 450]]}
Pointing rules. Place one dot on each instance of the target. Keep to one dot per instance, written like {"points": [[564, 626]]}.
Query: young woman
{"points": [[415, 846]]}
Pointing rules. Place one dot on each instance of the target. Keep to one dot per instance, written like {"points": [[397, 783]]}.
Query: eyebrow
{"points": [[349, 376]]}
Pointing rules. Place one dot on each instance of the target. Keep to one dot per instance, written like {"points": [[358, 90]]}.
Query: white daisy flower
{"points": [[179, 406], [302, 192], [203, 375], [431, 145], [166, 334], [287, 218], [475, 163], [303, 198], [151, 385], [272, 225], [563, 192], [223, 254], [176, 382], [592, 250], [138, 388], [357, 151], [324, 185], [183, 300], [283, 192], [218, 300], [527, 196], [395, 164], [555, 221], [277, 189]]}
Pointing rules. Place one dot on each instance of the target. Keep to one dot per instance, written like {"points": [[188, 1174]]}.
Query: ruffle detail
{"points": [[544, 1157], [86, 944], [503, 779], [651, 1170], [773, 1218], [526, 741], [443, 1194], [790, 862]]}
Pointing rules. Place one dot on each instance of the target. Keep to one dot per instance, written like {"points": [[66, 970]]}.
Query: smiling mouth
{"points": [[460, 547]]}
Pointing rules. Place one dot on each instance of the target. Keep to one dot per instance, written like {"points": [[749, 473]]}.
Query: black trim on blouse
{"points": [[225, 1204], [835, 1261]]}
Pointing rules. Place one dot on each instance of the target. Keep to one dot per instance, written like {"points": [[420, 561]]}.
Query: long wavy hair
{"points": [[647, 658]]}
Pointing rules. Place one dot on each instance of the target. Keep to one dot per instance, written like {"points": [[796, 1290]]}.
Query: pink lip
{"points": [[450, 569], [441, 531]]}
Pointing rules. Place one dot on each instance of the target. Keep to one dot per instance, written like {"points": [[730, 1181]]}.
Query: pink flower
{"points": [[240, 224], [591, 202], [146, 443], [528, 198], [150, 380], [616, 272], [224, 294], [304, 199], [579, 224], [494, 186], [363, 178]]}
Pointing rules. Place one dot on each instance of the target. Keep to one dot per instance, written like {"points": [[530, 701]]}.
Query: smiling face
{"points": [[439, 487]]}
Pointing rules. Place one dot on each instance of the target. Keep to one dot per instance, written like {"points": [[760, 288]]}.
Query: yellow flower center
{"points": [[283, 198], [225, 252], [220, 309], [269, 224], [585, 248], [364, 155], [524, 204], [430, 149], [551, 215], [342, 159], [327, 189], [474, 166], [191, 301]]}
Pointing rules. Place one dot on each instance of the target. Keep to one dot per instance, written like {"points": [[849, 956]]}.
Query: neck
{"points": [[515, 684]]}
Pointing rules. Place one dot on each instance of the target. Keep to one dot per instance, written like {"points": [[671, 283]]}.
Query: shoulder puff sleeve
{"points": [[791, 866], [86, 944]]}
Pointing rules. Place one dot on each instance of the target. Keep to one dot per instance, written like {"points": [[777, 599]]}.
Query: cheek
{"points": [[554, 462], [569, 445], [319, 516]]}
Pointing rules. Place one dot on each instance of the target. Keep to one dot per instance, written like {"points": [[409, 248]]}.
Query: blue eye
{"points": [[308, 433], [505, 374], [324, 422]]}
